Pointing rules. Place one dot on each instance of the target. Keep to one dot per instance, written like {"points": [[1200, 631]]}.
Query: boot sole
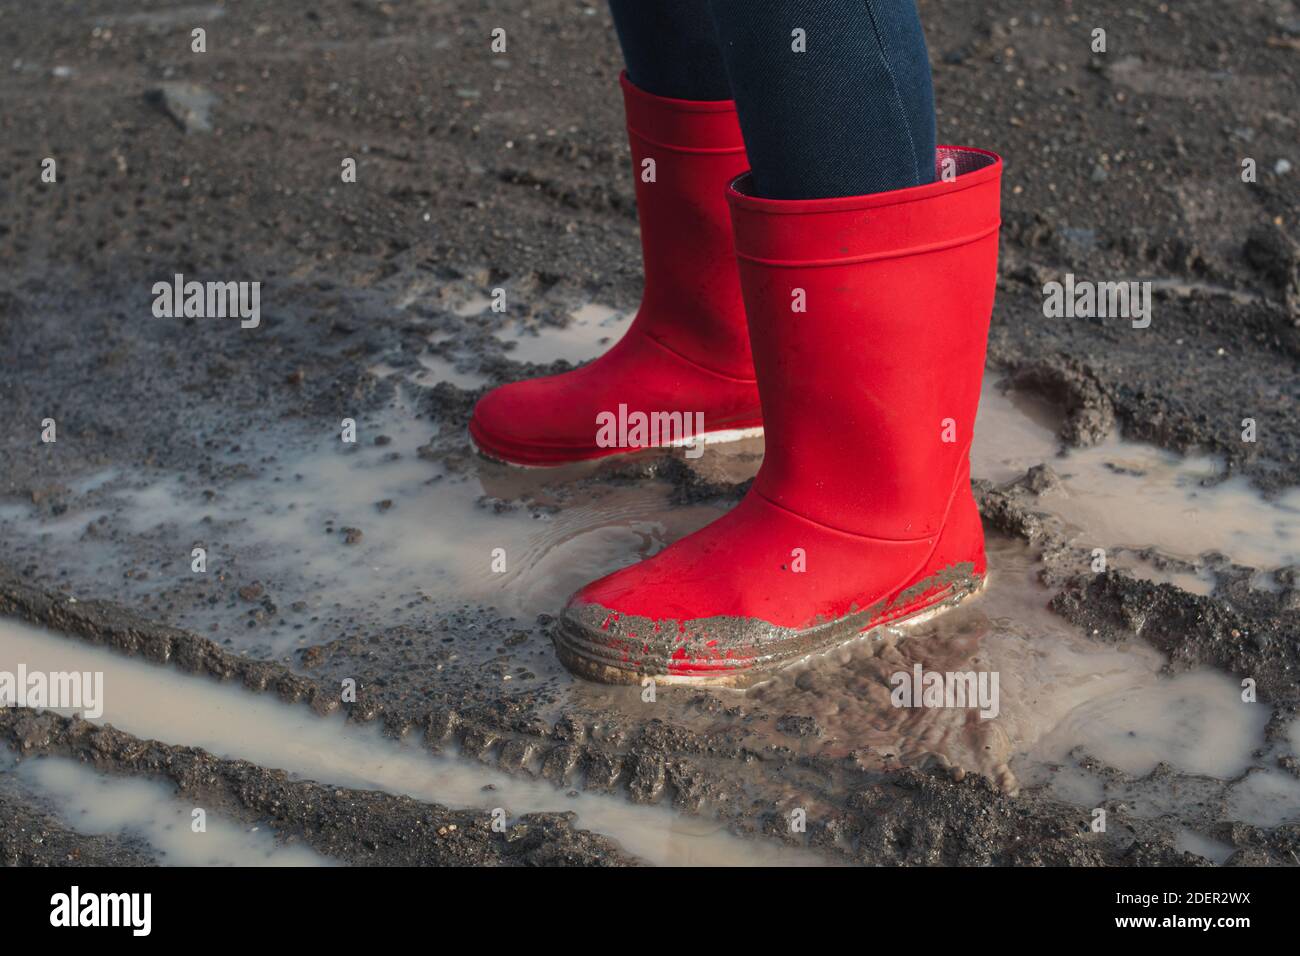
{"points": [[583, 657], [720, 437]]}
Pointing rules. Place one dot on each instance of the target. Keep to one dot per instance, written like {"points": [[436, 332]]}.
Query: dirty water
{"points": [[591, 331], [1129, 496], [1124, 494], [374, 532], [1193, 725], [428, 539], [371, 535], [159, 703], [94, 803], [588, 330]]}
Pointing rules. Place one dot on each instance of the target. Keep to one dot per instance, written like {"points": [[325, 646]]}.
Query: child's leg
{"points": [[834, 96], [670, 48]]}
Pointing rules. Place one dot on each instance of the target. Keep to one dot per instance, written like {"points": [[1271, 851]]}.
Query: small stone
{"points": [[1040, 479], [798, 725], [189, 104]]}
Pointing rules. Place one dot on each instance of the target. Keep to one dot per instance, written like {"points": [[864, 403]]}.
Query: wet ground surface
{"points": [[372, 562]]}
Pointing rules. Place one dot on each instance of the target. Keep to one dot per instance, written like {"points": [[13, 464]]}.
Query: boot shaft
{"points": [[868, 321], [684, 152]]}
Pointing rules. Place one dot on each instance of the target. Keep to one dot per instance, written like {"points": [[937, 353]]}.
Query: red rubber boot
{"points": [[862, 513], [687, 351]]}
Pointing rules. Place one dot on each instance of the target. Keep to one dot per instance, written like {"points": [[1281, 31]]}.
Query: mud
{"points": [[597, 642], [363, 827], [478, 172], [149, 813], [168, 709], [34, 836]]}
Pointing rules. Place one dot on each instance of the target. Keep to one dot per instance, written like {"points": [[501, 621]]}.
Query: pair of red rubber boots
{"points": [[851, 331]]}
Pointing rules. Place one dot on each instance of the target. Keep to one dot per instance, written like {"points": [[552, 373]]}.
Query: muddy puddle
{"points": [[158, 703], [147, 811], [1193, 725], [322, 538], [581, 333]]}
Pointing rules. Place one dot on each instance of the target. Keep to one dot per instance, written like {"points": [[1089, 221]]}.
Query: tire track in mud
{"points": [[358, 827], [160, 723]]}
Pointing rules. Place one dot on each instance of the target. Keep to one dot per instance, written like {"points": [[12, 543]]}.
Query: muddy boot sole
{"points": [[599, 661]]}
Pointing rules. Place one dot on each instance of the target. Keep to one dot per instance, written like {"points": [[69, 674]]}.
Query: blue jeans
{"points": [[852, 113]]}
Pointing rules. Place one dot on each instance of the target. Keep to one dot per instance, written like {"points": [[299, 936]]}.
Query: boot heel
{"points": [[956, 570]]}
